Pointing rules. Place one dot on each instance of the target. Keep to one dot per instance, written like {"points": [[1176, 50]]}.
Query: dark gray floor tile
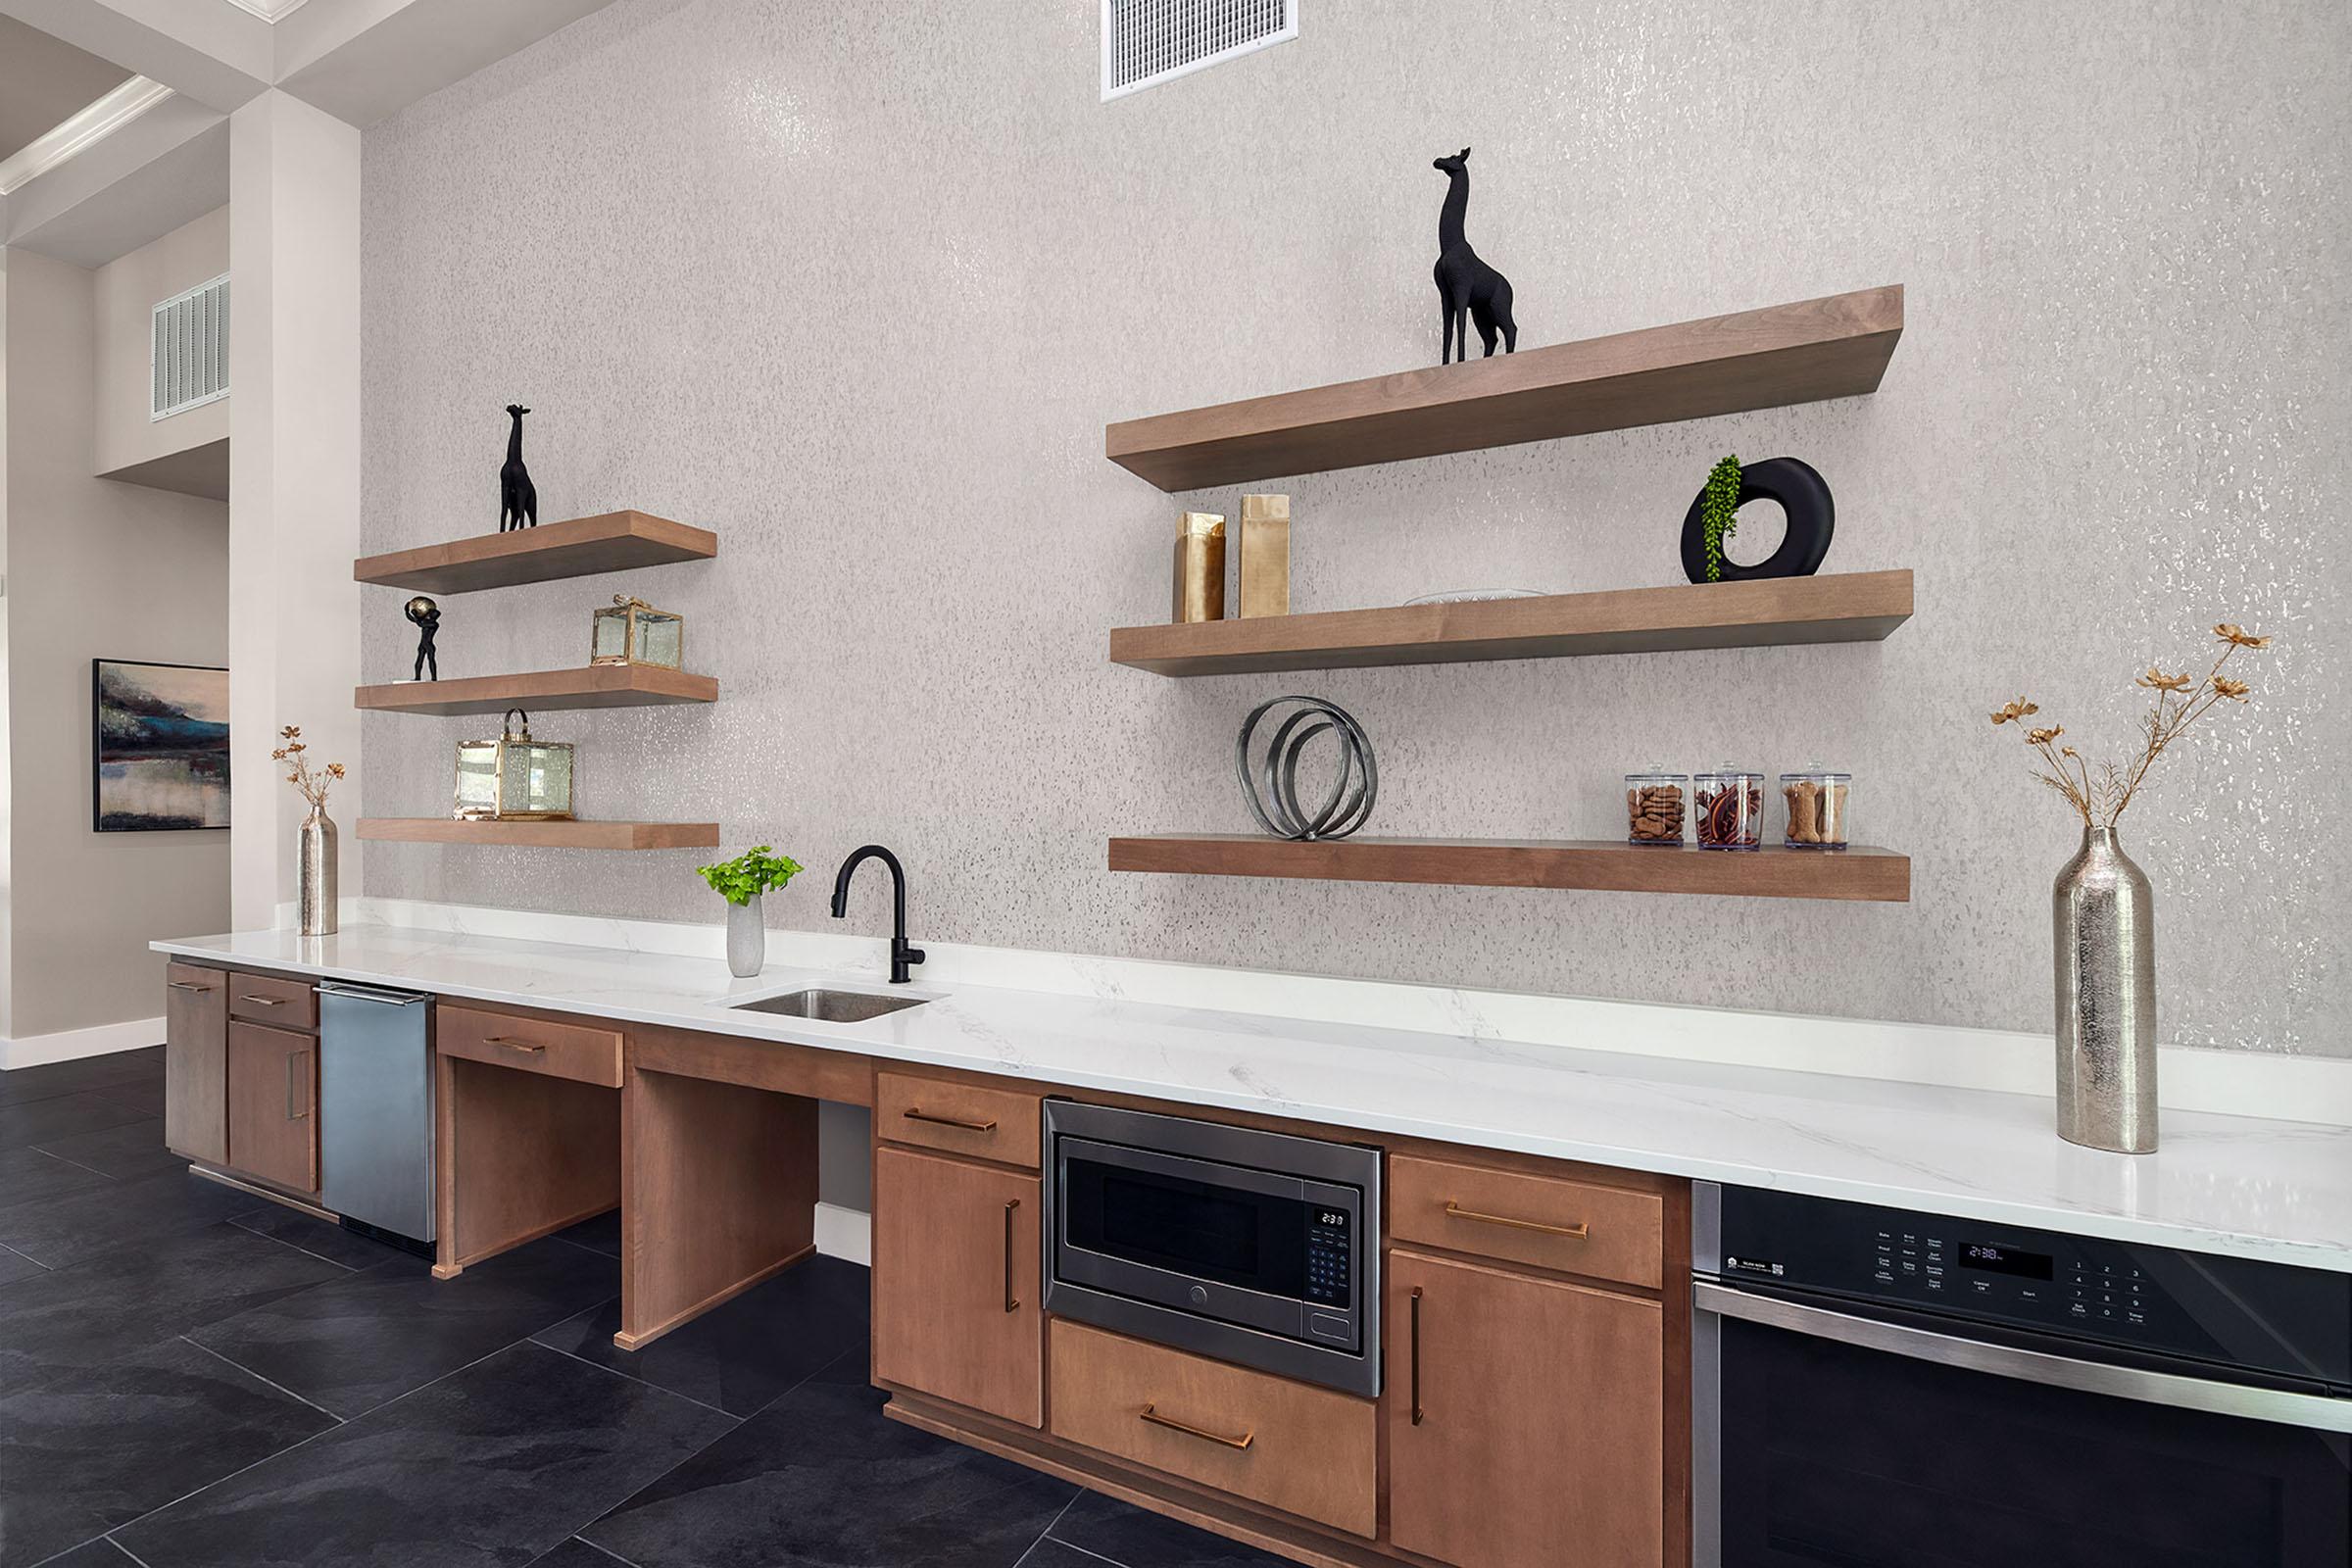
{"points": [[16, 1266], [38, 1121], [369, 1337], [1137, 1538], [1051, 1553], [739, 1355], [102, 1553], [85, 1450], [125, 1153], [144, 1097], [113, 1215], [599, 1235], [136, 1295], [577, 1554], [29, 1176], [822, 1479], [322, 1237], [486, 1468], [88, 1072]]}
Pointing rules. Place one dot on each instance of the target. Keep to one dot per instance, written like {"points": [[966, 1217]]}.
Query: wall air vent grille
{"points": [[189, 363], [1146, 42]]}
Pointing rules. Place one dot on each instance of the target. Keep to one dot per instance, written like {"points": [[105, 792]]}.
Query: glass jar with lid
{"points": [[1817, 807], [1654, 803], [1728, 807]]}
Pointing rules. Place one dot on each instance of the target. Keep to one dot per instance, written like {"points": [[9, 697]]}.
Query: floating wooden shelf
{"points": [[1851, 608], [590, 686], [1603, 864], [615, 541], [543, 835], [1834, 347]]}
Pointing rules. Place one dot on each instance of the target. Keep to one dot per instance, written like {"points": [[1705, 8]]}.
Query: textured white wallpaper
{"points": [[858, 287]]}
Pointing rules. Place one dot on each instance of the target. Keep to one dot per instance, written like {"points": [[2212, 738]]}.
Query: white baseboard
{"points": [[844, 1232], [72, 1044]]}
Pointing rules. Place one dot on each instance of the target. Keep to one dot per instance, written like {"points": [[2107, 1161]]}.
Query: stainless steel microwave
{"points": [[1251, 1247]]}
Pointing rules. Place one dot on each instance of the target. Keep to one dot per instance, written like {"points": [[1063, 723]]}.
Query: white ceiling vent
{"points": [[1146, 42], [189, 364]]}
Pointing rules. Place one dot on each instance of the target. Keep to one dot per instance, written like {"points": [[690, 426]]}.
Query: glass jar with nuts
{"points": [[1817, 807], [1653, 807], [1728, 807]]}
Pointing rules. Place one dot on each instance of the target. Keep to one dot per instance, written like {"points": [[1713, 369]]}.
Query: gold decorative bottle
{"points": [[1200, 567], [1266, 555]]}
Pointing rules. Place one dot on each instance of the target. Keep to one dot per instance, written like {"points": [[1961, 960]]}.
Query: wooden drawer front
{"points": [[955, 1285], [1576, 1227], [961, 1119], [1300, 1449], [279, 1004], [558, 1050]]}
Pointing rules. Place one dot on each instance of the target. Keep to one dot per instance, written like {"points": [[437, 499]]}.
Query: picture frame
{"points": [[158, 747]]}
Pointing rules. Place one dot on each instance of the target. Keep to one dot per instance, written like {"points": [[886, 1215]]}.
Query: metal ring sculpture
{"points": [[1277, 808]]}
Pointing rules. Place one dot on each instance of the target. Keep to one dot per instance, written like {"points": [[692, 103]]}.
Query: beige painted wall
{"points": [[94, 568], [127, 290]]}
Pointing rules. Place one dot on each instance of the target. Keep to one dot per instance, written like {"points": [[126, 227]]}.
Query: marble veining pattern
{"points": [[2236, 1184], [860, 296]]}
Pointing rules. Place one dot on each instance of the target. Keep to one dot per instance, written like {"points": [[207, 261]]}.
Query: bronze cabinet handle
{"points": [[1153, 1415], [1575, 1233], [531, 1047], [1416, 1355], [262, 1001], [189, 985], [1013, 1303], [988, 1126], [293, 1057]]}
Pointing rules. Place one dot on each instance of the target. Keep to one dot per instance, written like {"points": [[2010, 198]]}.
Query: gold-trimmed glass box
{"points": [[514, 778], [634, 632]]}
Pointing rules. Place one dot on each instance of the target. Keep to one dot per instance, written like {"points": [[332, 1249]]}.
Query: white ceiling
{"points": [[44, 80]]}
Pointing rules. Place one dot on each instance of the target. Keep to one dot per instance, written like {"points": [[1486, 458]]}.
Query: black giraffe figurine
{"points": [[517, 497], [1467, 285]]}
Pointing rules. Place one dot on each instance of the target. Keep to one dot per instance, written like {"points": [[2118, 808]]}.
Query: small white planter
{"points": [[746, 939]]}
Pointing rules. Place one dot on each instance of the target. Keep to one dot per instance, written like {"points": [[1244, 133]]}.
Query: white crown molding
{"points": [[80, 133], [269, 10]]}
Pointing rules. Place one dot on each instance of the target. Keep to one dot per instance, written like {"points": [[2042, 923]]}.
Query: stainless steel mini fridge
{"points": [[375, 1109]]}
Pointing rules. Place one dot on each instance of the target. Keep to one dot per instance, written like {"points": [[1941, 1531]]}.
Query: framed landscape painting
{"points": [[160, 746]]}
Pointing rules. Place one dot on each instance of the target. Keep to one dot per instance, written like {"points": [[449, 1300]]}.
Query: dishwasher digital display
{"points": [[1997, 1259]]}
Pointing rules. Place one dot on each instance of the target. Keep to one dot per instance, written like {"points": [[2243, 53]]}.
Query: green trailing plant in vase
{"points": [[741, 882], [1718, 512]]}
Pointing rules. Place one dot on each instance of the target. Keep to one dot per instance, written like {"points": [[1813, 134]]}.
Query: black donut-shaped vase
{"points": [[1804, 494]]}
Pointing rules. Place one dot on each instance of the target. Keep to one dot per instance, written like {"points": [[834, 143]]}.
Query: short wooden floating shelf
{"points": [[543, 835], [615, 541], [1854, 606], [590, 686], [1833, 347], [1858, 874]]}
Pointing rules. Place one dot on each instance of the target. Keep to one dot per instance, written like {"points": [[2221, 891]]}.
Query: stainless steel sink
{"points": [[831, 1006]]}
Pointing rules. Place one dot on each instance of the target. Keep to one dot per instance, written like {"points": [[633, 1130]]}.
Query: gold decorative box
{"points": [[1266, 555], [634, 632], [1200, 568], [514, 778]]}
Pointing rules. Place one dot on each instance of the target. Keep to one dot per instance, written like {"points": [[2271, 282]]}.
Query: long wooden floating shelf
{"points": [[1602, 864], [1850, 607], [1833, 347], [615, 541], [590, 686], [543, 835]]}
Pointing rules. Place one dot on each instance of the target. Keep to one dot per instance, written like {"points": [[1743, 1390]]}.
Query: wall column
{"points": [[294, 480]]}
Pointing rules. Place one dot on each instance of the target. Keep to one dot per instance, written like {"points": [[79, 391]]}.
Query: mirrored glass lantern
{"points": [[634, 632], [515, 778]]}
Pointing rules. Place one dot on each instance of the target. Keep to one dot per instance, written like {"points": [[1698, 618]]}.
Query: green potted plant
{"points": [[741, 882], [1718, 512]]}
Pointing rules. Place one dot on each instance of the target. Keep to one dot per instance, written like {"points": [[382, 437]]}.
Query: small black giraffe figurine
{"points": [[517, 497], [1466, 284]]}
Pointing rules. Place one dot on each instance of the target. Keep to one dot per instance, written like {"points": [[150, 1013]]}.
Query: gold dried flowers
{"points": [[314, 784], [2179, 702]]}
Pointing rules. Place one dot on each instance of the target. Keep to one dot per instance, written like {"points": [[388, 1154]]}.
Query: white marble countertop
{"points": [[2274, 1189]]}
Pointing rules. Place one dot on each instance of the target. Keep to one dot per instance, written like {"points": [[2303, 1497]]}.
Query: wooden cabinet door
{"points": [[273, 1105], [956, 1282], [196, 1063], [1525, 1419]]}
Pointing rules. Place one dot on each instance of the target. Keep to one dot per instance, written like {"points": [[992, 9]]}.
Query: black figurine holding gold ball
{"points": [[428, 616]]}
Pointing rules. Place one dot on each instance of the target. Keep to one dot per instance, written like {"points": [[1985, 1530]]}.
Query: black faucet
{"points": [[902, 957]]}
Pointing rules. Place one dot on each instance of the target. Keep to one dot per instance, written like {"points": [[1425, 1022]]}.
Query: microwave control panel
{"points": [[1330, 1248]]}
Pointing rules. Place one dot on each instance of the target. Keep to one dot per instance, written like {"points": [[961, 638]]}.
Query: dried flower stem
{"points": [[313, 785]]}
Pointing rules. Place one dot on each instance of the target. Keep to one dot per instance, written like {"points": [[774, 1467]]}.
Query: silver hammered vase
{"points": [[316, 882], [2103, 919], [746, 939]]}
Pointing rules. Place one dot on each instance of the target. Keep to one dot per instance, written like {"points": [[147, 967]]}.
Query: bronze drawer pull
{"points": [[988, 1126], [293, 1057], [189, 985], [1013, 1303], [1151, 1415], [1575, 1233], [532, 1046], [262, 1001], [1416, 1315]]}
